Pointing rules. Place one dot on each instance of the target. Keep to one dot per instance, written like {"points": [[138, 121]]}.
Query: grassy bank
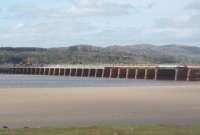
{"points": [[108, 130]]}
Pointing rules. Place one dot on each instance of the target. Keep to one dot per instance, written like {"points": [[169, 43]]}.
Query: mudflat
{"points": [[86, 106]]}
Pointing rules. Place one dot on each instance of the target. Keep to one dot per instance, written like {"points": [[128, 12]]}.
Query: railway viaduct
{"points": [[147, 72]]}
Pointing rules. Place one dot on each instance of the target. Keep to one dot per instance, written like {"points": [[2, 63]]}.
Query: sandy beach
{"points": [[67, 107]]}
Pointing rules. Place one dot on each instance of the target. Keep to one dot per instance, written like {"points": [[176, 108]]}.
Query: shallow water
{"points": [[13, 81]]}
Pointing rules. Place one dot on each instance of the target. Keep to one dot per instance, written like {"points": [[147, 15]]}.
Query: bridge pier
{"points": [[156, 74], [118, 72], [70, 72], [82, 72], [54, 71], [76, 72], [89, 71], [96, 72], [49, 73], [127, 73], [58, 71], [46, 71], [136, 74], [176, 74], [146, 74], [110, 74], [102, 75], [43, 71], [188, 74]]}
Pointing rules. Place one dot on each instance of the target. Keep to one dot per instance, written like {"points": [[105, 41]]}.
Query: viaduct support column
{"points": [[70, 71], [64, 72], [110, 75], [118, 72], [54, 71], [44, 71], [176, 74], [89, 72], [136, 73], [102, 75], [23, 71], [127, 73], [13, 70], [156, 74], [82, 72], [31, 71], [146, 73], [76, 72], [188, 74], [96, 70], [40, 71], [59, 72], [35, 71], [49, 73]]}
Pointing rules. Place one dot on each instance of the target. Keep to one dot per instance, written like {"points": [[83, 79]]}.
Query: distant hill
{"points": [[87, 54]]}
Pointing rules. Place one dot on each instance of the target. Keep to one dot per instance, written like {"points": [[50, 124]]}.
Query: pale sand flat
{"points": [[66, 107]]}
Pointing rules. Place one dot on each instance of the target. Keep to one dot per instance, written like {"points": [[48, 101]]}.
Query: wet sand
{"points": [[67, 107]]}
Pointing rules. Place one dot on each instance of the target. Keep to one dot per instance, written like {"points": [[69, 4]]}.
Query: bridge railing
{"points": [[99, 65]]}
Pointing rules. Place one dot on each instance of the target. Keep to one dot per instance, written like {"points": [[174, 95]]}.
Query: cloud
{"points": [[87, 21], [181, 22], [183, 28], [55, 33], [2, 11], [178, 22], [193, 6], [77, 8], [150, 5], [100, 8], [29, 11]]}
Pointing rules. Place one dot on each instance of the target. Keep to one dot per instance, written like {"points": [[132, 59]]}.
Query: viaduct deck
{"points": [[148, 72]]}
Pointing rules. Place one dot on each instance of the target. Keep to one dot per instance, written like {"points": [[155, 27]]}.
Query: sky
{"points": [[60, 23]]}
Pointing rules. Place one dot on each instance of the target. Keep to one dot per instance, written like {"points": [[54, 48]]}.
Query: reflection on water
{"points": [[61, 81]]}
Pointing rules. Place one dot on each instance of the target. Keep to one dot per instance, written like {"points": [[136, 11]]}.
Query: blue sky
{"points": [[53, 23]]}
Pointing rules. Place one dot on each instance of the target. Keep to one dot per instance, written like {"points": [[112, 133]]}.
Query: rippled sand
{"points": [[66, 107]]}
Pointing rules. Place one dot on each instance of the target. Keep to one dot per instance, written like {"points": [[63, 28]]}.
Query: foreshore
{"points": [[87, 106]]}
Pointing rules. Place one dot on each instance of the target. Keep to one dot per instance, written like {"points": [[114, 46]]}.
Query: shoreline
{"points": [[26, 81]]}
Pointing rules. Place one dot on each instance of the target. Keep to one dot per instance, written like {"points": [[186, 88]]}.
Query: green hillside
{"points": [[86, 54]]}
